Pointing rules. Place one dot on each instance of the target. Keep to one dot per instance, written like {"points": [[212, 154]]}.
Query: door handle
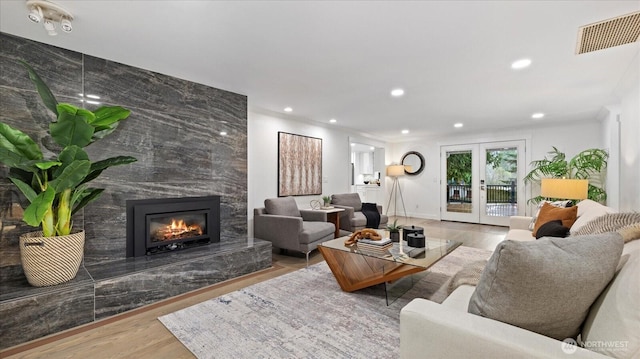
{"points": [[482, 188]]}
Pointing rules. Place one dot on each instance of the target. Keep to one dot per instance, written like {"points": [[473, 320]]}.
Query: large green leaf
{"points": [[86, 196], [34, 214], [108, 115], [98, 167], [46, 94], [72, 127], [45, 165], [113, 161], [71, 176], [19, 143], [69, 155], [11, 159], [24, 188]]}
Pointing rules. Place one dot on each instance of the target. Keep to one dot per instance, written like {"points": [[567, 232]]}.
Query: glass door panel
{"points": [[502, 170], [460, 177]]}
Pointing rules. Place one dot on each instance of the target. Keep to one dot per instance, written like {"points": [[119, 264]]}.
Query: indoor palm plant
{"points": [[57, 187], [588, 164]]}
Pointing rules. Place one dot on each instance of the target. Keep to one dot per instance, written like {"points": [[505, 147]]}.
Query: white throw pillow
{"points": [[588, 210]]}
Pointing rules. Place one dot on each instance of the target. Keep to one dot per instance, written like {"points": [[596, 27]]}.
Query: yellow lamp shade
{"points": [[564, 188]]}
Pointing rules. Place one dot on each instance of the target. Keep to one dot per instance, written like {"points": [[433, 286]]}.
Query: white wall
{"points": [[422, 192], [629, 92], [263, 128]]}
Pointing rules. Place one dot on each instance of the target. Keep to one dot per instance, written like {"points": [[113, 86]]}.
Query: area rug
{"points": [[305, 314]]}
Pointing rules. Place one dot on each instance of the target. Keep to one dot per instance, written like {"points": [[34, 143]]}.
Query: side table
{"points": [[333, 217]]}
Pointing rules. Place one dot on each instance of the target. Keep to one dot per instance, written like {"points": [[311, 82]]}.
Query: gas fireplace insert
{"points": [[166, 224]]}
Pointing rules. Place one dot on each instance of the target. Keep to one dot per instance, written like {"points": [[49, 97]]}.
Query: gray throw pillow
{"points": [[546, 286], [285, 206]]}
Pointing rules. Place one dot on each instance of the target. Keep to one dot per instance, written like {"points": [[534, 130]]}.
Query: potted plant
{"points": [[394, 231], [326, 200], [57, 187], [588, 164]]}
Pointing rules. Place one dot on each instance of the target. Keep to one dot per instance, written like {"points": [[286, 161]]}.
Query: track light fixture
{"points": [[48, 13], [35, 14]]}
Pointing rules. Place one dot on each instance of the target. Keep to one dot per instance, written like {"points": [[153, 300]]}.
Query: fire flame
{"points": [[178, 228]]}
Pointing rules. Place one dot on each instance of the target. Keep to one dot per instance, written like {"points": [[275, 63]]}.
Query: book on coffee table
{"points": [[381, 242]]}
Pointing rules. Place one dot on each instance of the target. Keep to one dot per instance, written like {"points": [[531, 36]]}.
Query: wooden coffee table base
{"points": [[355, 271]]}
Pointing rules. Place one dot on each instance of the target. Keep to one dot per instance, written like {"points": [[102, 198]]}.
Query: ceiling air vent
{"points": [[609, 33]]}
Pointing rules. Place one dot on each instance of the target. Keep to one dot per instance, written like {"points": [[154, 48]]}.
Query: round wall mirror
{"points": [[413, 162]]}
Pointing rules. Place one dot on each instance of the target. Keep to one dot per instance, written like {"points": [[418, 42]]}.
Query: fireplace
{"points": [[167, 224]]}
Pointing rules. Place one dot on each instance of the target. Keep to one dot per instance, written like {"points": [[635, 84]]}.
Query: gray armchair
{"points": [[352, 219], [290, 228]]}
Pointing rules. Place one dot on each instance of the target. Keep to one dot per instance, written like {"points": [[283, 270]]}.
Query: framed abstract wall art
{"points": [[299, 165]]}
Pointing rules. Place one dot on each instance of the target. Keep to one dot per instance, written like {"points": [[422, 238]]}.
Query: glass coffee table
{"points": [[356, 268]]}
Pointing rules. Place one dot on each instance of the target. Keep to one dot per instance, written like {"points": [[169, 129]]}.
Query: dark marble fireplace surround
{"points": [[173, 131]]}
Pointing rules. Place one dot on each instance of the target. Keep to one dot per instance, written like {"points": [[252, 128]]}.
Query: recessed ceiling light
{"points": [[537, 115], [458, 125], [397, 92], [223, 133], [404, 132], [353, 144], [333, 120], [288, 109], [372, 148], [520, 64]]}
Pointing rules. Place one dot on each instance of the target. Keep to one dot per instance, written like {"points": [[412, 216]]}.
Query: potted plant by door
{"points": [[588, 164], [394, 231], [57, 186]]}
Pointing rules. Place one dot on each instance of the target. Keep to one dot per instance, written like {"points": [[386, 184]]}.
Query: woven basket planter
{"points": [[51, 260]]}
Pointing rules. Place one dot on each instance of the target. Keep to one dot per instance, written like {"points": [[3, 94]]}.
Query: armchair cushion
{"points": [[314, 231], [349, 200], [546, 286], [284, 206]]}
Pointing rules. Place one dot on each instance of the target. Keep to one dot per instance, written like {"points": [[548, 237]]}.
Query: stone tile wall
{"points": [[173, 131]]}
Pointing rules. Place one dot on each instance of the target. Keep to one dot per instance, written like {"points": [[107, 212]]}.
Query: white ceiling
{"points": [[340, 59]]}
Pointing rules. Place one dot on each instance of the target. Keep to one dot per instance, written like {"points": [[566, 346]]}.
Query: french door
{"points": [[483, 182]]}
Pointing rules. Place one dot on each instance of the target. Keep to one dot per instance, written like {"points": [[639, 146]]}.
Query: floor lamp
{"points": [[395, 171]]}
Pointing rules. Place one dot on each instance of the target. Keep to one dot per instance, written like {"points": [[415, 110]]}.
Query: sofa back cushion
{"points": [[546, 286], [613, 325], [347, 199], [284, 206]]}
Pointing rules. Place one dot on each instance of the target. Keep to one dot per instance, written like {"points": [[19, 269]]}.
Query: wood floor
{"points": [[138, 333]]}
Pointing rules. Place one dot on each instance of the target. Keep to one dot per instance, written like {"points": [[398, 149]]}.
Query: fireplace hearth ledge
{"points": [[109, 288]]}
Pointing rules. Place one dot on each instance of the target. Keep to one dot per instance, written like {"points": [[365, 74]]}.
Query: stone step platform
{"points": [[109, 288]]}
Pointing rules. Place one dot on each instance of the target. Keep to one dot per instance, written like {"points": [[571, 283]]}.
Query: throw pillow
{"points": [[546, 286], [561, 204], [549, 212], [587, 211], [630, 232], [552, 229], [609, 222]]}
